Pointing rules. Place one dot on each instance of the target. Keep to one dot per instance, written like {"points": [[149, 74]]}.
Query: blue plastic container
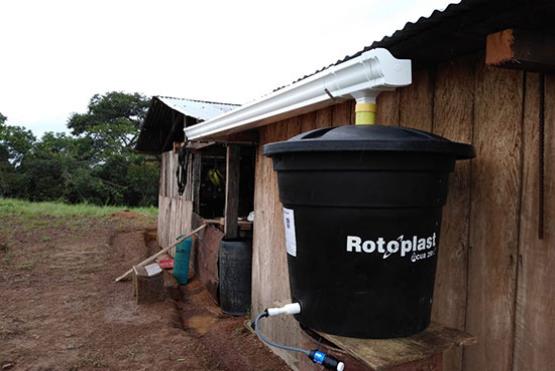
{"points": [[181, 260]]}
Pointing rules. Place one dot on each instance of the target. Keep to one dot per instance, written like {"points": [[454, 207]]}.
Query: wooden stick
{"points": [[152, 257]]}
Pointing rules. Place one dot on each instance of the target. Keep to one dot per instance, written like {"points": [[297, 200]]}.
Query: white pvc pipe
{"points": [[363, 78]]}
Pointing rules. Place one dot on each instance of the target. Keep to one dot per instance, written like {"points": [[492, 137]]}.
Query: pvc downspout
{"points": [[362, 78]]}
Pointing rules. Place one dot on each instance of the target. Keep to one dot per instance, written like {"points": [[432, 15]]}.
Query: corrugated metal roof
{"points": [[459, 29], [198, 109], [167, 116]]}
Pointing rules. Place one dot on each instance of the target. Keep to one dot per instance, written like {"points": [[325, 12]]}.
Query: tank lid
{"points": [[370, 138]]}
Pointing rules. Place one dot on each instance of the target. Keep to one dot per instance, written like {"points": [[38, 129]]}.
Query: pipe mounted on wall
{"points": [[362, 78]]}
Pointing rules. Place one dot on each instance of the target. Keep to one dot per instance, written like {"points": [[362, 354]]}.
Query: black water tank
{"points": [[362, 214], [235, 266]]}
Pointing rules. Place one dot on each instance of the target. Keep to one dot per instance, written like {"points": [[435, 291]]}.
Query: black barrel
{"points": [[362, 214], [235, 266]]}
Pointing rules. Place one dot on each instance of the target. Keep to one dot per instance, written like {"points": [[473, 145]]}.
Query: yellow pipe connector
{"points": [[365, 113]]}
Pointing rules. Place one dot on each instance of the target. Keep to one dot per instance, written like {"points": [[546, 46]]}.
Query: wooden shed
{"points": [[482, 74], [162, 135]]}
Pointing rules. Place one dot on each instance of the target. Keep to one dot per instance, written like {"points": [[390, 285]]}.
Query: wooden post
{"points": [[189, 190], [196, 180], [232, 191]]}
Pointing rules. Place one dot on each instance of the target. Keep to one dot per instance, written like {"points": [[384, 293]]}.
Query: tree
{"points": [[15, 144], [112, 123], [96, 163]]}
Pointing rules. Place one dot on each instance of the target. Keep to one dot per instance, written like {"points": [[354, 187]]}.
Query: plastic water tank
{"points": [[362, 213]]}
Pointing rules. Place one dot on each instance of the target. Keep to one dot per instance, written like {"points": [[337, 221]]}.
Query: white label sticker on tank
{"points": [[290, 238]]}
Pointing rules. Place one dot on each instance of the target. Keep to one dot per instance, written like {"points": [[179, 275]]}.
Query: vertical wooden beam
{"points": [[324, 118], [416, 102], [188, 191], [232, 191], [535, 306], [388, 108], [270, 278], [294, 125], [495, 206], [342, 113], [453, 111], [162, 183], [196, 180], [308, 121]]}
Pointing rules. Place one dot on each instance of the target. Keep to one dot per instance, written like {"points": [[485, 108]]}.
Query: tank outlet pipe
{"points": [[316, 356], [293, 308]]}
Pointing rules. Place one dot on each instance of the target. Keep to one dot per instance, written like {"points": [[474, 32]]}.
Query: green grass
{"points": [[23, 208]]}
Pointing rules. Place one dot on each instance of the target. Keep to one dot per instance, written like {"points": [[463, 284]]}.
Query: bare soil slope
{"points": [[61, 310]]}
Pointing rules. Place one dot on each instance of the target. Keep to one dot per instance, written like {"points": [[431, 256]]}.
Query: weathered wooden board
{"points": [[324, 118], [494, 218], [535, 307], [453, 119], [294, 126], [388, 108], [270, 280], [162, 183], [196, 180], [416, 102], [388, 353], [163, 216], [207, 259], [342, 113], [174, 211], [308, 120], [174, 219]]}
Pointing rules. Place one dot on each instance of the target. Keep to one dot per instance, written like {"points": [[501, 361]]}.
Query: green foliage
{"points": [[95, 164], [15, 142], [111, 122]]}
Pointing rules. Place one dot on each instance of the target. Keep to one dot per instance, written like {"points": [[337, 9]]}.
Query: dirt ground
{"points": [[61, 310]]}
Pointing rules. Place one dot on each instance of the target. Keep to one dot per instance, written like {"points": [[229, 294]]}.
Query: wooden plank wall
{"points": [[270, 280], [494, 208], [495, 277], [452, 118], [535, 304], [174, 211]]}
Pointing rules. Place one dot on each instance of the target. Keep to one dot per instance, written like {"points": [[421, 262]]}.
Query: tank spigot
{"points": [[293, 308]]}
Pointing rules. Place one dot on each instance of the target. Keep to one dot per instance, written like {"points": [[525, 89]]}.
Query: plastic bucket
{"points": [[181, 261], [362, 214]]}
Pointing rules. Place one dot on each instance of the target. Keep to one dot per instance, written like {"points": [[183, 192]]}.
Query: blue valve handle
{"points": [[323, 359]]}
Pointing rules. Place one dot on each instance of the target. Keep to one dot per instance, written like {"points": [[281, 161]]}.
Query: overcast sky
{"points": [[54, 55]]}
